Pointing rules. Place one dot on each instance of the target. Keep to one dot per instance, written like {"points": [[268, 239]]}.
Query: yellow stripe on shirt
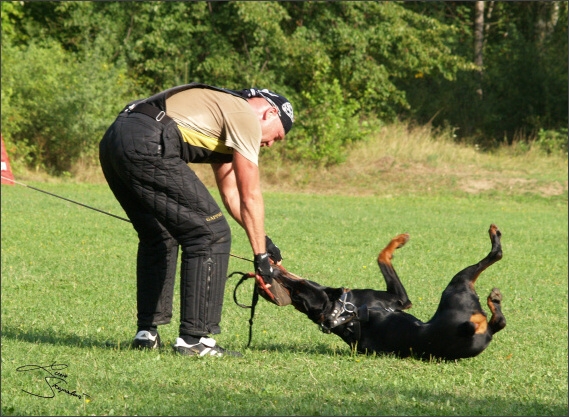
{"points": [[203, 141]]}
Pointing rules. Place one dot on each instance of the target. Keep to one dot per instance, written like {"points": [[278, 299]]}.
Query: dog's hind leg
{"points": [[394, 285], [470, 274], [497, 321]]}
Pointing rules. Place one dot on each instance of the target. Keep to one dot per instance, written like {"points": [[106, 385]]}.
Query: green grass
{"points": [[68, 296]]}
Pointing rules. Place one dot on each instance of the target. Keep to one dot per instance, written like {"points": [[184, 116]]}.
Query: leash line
{"points": [[245, 276], [89, 207], [66, 199]]}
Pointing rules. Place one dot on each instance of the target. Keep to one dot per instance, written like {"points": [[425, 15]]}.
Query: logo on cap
{"points": [[280, 103], [287, 108]]}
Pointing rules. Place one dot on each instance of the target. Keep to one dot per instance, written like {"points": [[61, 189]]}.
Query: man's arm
{"points": [[227, 185], [240, 189]]}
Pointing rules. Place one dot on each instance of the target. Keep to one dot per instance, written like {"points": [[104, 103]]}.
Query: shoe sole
{"points": [[184, 351], [147, 344], [144, 345]]}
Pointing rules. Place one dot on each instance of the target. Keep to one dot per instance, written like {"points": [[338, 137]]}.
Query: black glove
{"points": [[273, 250], [263, 267]]}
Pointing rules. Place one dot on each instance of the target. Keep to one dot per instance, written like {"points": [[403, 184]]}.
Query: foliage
{"points": [[328, 126], [369, 46], [360, 60], [534, 70], [11, 13], [524, 79], [53, 117], [552, 141]]}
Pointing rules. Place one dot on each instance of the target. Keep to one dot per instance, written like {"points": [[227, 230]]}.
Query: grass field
{"points": [[68, 298]]}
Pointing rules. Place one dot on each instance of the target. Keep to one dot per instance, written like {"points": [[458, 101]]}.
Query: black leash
{"points": [[89, 207], [245, 277], [66, 199]]}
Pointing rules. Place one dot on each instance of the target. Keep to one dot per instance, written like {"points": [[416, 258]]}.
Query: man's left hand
{"points": [[273, 251]]}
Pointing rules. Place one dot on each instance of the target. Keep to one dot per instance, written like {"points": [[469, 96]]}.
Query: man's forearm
{"points": [[253, 215], [251, 207], [227, 186]]}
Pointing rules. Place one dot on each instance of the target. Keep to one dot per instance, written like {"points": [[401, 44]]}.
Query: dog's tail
{"points": [[394, 285]]}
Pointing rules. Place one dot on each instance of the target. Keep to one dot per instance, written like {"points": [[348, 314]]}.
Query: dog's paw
{"points": [[495, 296], [401, 239], [494, 231]]}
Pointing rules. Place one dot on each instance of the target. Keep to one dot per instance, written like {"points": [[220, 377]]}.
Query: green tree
{"points": [[55, 108], [340, 63], [524, 74]]}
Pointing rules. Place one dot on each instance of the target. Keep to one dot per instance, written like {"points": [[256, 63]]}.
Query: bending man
{"points": [[144, 156]]}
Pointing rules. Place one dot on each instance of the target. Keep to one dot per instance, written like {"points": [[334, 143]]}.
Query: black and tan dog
{"points": [[374, 321]]}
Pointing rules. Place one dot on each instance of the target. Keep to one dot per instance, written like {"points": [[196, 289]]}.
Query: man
{"points": [[144, 156]]}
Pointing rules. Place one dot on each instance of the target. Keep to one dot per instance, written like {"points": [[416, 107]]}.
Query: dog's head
{"points": [[308, 297]]}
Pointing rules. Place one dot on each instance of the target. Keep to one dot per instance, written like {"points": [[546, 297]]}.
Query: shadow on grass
{"points": [[47, 336], [317, 349]]}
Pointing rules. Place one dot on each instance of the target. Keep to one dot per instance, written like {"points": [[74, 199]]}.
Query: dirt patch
{"points": [[476, 186], [513, 185], [553, 189]]}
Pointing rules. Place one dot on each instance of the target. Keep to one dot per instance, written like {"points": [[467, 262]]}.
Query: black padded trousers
{"points": [[169, 207]]}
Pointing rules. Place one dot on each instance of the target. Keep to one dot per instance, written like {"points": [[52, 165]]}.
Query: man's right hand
{"points": [[263, 267]]}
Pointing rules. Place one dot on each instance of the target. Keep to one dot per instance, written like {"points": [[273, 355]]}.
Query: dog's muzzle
{"points": [[344, 312]]}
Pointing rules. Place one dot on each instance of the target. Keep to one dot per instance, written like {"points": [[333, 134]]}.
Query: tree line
{"points": [[493, 72]]}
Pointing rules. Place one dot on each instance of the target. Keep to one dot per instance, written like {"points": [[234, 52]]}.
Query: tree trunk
{"points": [[479, 42], [487, 19], [547, 17]]}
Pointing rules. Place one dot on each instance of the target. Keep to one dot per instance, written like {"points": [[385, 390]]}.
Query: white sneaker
{"points": [[205, 347], [145, 340]]}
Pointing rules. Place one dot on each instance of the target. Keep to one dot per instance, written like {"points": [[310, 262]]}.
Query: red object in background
{"points": [[6, 170]]}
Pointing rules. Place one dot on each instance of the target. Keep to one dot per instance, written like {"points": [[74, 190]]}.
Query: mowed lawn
{"points": [[68, 311]]}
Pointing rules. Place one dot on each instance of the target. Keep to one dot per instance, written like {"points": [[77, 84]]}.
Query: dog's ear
{"points": [[333, 293]]}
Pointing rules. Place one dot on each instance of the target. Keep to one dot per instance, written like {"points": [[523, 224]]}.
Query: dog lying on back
{"points": [[375, 321]]}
